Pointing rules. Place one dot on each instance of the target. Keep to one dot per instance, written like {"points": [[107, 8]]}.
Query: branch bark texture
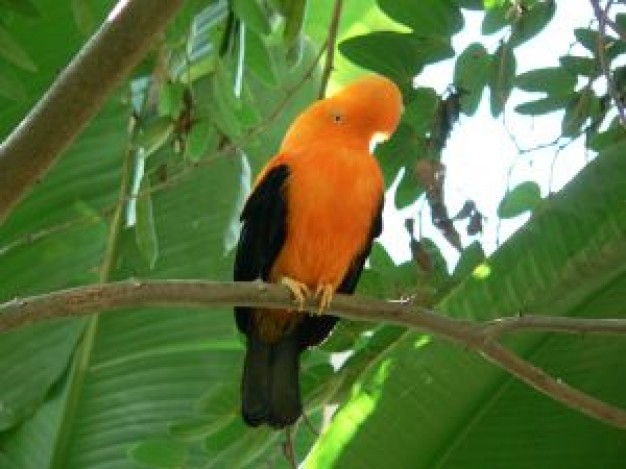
{"points": [[480, 337], [77, 95]]}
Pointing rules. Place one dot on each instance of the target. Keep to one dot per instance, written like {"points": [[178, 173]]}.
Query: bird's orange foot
{"points": [[299, 290], [325, 293]]}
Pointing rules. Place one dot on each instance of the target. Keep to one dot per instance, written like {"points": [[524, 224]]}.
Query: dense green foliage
{"points": [[153, 187]]}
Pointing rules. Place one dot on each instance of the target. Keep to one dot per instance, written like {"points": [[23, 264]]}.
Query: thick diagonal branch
{"points": [[481, 337], [77, 94]]}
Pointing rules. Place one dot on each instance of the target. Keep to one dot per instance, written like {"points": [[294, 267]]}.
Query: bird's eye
{"points": [[337, 117]]}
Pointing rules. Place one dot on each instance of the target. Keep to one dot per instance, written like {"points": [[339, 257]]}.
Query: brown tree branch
{"points": [[330, 47], [480, 337], [77, 94]]}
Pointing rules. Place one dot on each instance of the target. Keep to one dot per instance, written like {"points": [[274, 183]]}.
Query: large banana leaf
{"points": [[432, 405]]}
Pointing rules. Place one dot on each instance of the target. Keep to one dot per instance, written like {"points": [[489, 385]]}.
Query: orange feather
{"points": [[334, 189], [309, 223]]}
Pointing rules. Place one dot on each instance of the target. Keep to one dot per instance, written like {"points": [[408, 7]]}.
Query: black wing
{"points": [[312, 330], [263, 232]]}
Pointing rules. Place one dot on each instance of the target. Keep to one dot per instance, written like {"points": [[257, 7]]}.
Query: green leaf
{"points": [[171, 101], [577, 112], [11, 87], [11, 50], [23, 7], [448, 403], [552, 80], [399, 56], [154, 135], [258, 59], [426, 17], [471, 73], [501, 76], [145, 231], [201, 140], [252, 14], [588, 38], [471, 257], [616, 133], [522, 198], [580, 65], [294, 20], [532, 21], [545, 105], [496, 18], [84, 16], [159, 453]]}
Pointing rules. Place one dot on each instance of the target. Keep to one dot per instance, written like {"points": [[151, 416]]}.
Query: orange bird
{"points": [[309, 224]]}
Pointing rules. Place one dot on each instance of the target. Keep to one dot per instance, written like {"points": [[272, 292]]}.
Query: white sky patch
{"points": [[480, 157]]}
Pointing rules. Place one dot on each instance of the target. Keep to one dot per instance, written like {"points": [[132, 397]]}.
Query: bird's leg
{"points": [[325, 291], [298, 289]]}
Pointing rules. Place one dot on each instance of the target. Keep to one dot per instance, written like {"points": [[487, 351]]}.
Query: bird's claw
{"points": [[299, 291], [325, 293]]}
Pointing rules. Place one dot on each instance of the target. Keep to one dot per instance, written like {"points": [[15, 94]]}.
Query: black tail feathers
{"points": [[270, 388]]}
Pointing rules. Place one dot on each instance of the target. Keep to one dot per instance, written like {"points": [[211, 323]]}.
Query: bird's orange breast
{"points": [[332, 200]]}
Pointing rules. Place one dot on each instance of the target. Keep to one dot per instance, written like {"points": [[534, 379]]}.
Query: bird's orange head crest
{"points": [[362, 111]]}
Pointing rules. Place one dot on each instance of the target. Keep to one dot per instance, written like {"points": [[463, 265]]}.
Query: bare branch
{"points": [[480, 337], [77, 95], [602, 15], [330, 47]]}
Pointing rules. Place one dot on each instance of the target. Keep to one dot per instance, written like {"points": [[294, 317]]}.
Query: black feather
{"points": [[270, 385], [263, 233]]}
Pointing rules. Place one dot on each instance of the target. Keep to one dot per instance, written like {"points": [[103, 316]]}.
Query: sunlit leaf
{"points": [[426, 17], [397, 55], [252, 14]]}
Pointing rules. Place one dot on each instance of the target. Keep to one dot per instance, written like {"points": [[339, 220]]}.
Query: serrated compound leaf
{"points": [[161, 453], [502, 73], [425, 17], [12, 51], [552, 80], [252, 14], [520, 199], [399, 56], [532, 21], [471, 73]]}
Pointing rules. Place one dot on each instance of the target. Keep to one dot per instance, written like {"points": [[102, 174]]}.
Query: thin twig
{"points": [[602, 15], [480, 337], [290, 92], [330, 47]]}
